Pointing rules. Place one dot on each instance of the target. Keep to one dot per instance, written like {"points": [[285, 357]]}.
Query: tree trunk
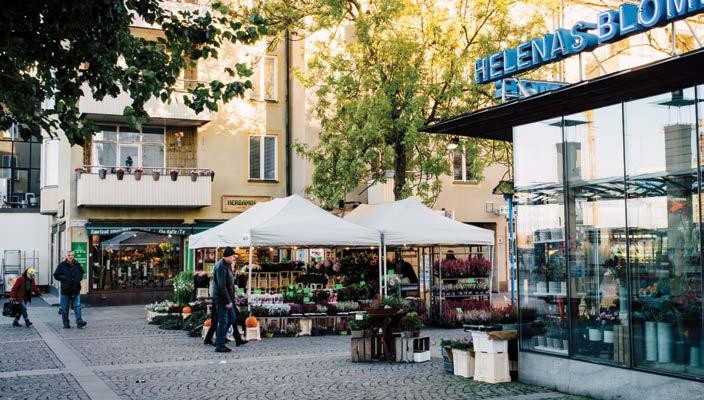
{"points": [[399, 169]]}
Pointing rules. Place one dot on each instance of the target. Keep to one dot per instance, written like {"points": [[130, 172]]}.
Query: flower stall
{"points": [[455, 260]]}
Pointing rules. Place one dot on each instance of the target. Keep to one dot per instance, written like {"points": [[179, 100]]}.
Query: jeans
{"points": [[65, 302], [224, 321], [24, 305]]}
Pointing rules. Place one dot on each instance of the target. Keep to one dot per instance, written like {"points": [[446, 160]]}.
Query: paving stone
{"points": [[27, 355], [9, 333], [49, 387]]}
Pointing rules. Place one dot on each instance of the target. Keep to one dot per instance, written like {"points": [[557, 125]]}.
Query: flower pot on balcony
{"points": [[102, 172], [120, 173], [138, 175], [194, 176], [174, 175], [155, 175]]}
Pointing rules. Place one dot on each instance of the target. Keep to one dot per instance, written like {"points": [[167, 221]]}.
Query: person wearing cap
{"points": [[22, 291], [222, 293]]}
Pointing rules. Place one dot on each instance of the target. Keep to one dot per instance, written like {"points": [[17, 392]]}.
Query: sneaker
{"points": [[223, 349], [208, 342], [81, 324], [67, 326], [16, 323], [242, 343], [28, 323]]}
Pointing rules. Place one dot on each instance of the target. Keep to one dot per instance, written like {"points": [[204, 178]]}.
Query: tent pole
{"points": [[249, 278], [380, 262], [386, 283]]}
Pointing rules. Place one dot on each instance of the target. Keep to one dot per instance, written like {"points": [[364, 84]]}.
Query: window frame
{"points": [[259, 84], [140, 143], [464, 178], [262, 158]]}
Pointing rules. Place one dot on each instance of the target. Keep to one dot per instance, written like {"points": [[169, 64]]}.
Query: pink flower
{"points": [[336, 267]]}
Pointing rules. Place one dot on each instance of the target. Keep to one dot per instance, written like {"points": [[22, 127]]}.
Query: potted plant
{"points": [[120, 172], [361, 327], [506, 316], [156, 174], [79, 171], [270, 329], [174, 174], [102, 172], [463, 358], [342, 328], [194, 175], [411, 324], [292, 329], [446, 349], [138, 173]]}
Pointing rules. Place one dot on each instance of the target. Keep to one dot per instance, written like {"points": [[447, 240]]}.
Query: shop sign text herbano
{"points": [[238, 204], [610, 26]]}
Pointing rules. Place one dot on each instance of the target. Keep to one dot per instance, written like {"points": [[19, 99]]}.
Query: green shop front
{"points": [[136, 262], [608, 230]]}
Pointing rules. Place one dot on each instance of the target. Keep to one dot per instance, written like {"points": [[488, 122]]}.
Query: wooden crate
{"points": [[492, 368], [366, 349], [406, 347]]}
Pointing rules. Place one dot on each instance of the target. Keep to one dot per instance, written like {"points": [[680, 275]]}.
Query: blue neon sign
{"points": [[611, 26]]}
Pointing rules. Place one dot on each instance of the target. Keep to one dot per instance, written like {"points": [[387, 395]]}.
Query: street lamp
{"points": [[453, 143]]}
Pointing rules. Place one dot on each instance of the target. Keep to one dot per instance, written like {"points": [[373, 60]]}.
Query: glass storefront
{"points": [[609, 234], [135, 259]]}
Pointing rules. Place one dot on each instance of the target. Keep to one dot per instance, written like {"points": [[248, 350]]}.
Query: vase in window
{"points": [[102, 172], [156, 174], [194, 175], [120, 173], [138, 174], [174, 174]]}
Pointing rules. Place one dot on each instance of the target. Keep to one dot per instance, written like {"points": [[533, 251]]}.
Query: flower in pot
{"points": [[174, 174], [360, 327], [411, 324], [342, 328], [156, 174], [120, 172], [270, 329], [138, 173], [79, 171], [102, 172], [194, 175]]}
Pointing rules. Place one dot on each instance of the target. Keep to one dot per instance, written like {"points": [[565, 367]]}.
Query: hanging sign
{"points": [[610, 26], [80, 254]]}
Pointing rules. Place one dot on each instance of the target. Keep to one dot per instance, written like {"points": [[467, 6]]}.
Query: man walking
{"points": [[223, 290], [70, 273]]}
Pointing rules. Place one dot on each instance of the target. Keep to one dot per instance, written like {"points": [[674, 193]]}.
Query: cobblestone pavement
{"points": [[119, 355]]}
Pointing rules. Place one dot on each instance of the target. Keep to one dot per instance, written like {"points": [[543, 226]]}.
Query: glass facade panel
{"points": [[596, 217], [540, 237], [19, 165], [631, 173], [664, 232]]}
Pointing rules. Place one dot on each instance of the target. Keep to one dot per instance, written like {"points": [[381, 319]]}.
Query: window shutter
{"points": [[254, 157], [270, 158], [457, 164]]}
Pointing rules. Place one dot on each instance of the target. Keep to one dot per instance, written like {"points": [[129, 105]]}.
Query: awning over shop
{"points": [[408, 222], [658, 77], [136, 238], [113, 229], [290, 221]]}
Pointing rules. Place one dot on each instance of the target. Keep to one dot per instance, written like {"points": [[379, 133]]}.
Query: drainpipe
{"points": [[287, 143]]}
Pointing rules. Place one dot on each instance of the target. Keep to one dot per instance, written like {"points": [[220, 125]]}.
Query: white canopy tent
{"points": [[409, 222], [290, 221]]}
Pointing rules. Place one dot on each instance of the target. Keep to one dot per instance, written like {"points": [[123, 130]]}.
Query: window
{"points": [[262, 158], [19, 167], [462, 166], [50, 163], [264, 80], [118, 145]]}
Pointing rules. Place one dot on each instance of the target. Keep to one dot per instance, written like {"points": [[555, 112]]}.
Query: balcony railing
{"points": [[122, 186], [176, 110]]}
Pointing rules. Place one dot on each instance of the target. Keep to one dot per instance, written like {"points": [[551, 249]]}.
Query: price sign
{"points": [[306, 299], [257, 291], [240, 292], [362, 283], [470, 280], [338, 286], [459, 310], [391, 272]]}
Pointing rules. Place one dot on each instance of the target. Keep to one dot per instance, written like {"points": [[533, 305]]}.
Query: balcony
{"points": [[175, 114], [185, 192], [174, 6]]}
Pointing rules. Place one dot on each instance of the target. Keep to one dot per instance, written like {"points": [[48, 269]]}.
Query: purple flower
{"points": [[336, 267]]}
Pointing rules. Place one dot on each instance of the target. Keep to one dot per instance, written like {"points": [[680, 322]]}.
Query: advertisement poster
{"points": [[80, 252]]}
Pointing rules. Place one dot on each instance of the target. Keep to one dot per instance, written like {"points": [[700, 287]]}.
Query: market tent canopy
{"points": [[409, 222], [290, 221]]}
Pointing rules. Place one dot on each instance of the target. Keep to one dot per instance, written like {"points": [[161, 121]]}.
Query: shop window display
{"points": [[596, 235], [540, 237], [135, 260], [664, 232]]}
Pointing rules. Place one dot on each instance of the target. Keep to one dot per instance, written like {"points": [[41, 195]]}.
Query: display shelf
{"points": [[469, 277], [551, 350], [536, 294]]}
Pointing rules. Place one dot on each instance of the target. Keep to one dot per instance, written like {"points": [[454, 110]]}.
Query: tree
{"points": [[410, 65], [51, 48]]}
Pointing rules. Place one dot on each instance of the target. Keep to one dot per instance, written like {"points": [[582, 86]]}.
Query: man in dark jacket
{"points": [[223, 290], [70, 274]]}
